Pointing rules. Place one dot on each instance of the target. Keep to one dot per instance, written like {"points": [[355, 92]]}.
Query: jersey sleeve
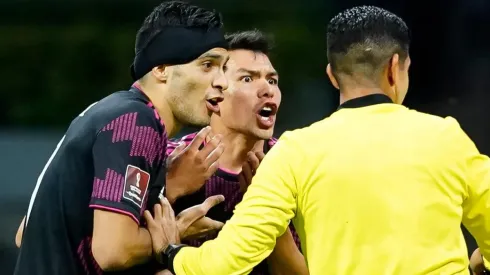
{"points": [[259, 219], [476, 205], [128, 155]]}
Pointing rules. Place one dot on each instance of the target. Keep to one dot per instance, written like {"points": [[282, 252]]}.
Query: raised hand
{"points": [[249, 168], [193, 223], [163, 226], [189, 167]]}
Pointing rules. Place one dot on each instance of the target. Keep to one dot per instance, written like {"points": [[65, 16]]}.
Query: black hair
{"points": [[252, 40], [175, 14], [361, 40]]}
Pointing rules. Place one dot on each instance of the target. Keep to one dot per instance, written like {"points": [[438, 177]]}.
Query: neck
{"points": [[159, 101], [237, 146], [352, 93]]}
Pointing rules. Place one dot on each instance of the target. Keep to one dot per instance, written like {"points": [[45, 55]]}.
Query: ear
{"points": [[332, 77], [393, 69], [160, 73]]}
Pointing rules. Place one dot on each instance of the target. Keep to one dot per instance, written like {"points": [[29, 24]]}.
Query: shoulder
{"points": [[125, 109], [174, 142]]}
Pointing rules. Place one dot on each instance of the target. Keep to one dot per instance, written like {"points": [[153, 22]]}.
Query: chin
{"points": [[195, 120], [263, 134]]}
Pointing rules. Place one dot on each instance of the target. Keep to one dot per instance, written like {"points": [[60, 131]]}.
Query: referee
{"points": [[375, 188]]}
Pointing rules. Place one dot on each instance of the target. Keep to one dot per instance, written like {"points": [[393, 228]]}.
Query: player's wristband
{"points": [[170, 253]]}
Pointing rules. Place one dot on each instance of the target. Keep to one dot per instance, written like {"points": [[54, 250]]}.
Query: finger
{"points": [[214, 155], [148, 217], [199, 138], [243, 183], [212, 169], [189, 216], [192, 214], [168, 212], [212, 202], [202, 228], [253, 160], [210, 147], [260, 155], [177, 150], [157, 211], [205, 224], [247, 172]]}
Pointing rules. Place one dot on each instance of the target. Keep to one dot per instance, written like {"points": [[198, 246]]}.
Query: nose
{"points": [[220, 81], [267, 90]]}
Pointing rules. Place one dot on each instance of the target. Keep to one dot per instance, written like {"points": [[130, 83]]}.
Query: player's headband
{"points": [[174, 46]]}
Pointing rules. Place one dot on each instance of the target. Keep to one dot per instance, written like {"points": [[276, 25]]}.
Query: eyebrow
{"points": [[252, 72], [211, 56]]}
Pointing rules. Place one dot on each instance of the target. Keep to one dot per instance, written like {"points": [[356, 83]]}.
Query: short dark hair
{"points": [[175, 14], [361, 40], [252, 40]]}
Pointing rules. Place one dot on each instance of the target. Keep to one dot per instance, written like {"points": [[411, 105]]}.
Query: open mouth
{"points": [[212, 103], [268, 110], [266, 115]]}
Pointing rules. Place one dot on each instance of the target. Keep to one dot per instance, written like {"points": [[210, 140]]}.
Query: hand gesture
{"points": [[163, 227], [249, 168], [193, 223], [188, 168]]}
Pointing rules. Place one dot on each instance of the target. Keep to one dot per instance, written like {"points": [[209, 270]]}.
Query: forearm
{"points": [[140, 249], [131, 249], [286, 257]]}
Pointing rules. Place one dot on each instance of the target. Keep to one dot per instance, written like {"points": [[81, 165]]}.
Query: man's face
{"points": [[253, 97], [196, 88]]}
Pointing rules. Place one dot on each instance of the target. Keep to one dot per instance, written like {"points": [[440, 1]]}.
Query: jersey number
{"points": [[40, 178]]}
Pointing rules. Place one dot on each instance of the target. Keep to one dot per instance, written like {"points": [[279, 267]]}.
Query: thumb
{"points": [[212, 202], [208, 224]]}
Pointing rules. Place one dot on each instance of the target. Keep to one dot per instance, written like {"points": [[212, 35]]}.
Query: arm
{"points": [[262, 216], [20, 231], [286, 257], [476, 204], [123, 166]]}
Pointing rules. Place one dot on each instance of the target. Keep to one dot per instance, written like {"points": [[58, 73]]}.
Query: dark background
{"points": [[57, 57]]}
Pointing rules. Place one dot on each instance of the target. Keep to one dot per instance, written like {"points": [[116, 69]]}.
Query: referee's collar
{"points": [[366, 101]]}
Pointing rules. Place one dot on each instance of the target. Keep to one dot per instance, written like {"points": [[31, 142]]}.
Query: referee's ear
{"points": [[332, 77]]}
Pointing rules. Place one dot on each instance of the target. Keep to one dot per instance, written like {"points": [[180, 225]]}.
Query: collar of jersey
{"points": [[136, 86], [365, 101]]}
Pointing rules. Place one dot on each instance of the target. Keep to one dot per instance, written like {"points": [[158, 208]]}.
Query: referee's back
{"points": [[383, 190]]}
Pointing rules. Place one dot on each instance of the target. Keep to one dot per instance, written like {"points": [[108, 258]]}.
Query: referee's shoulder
{"points": [[436, 122], [305, 136]]}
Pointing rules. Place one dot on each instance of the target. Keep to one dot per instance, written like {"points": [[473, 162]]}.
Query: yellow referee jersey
{"points": [[375, 188]]}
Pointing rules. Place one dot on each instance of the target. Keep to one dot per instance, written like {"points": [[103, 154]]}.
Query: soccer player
{"points": [[375, 188], [85, 212], [246, 121]]}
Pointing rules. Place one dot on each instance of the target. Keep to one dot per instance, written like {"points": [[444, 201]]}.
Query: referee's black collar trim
{"points": [[366, 101]]}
